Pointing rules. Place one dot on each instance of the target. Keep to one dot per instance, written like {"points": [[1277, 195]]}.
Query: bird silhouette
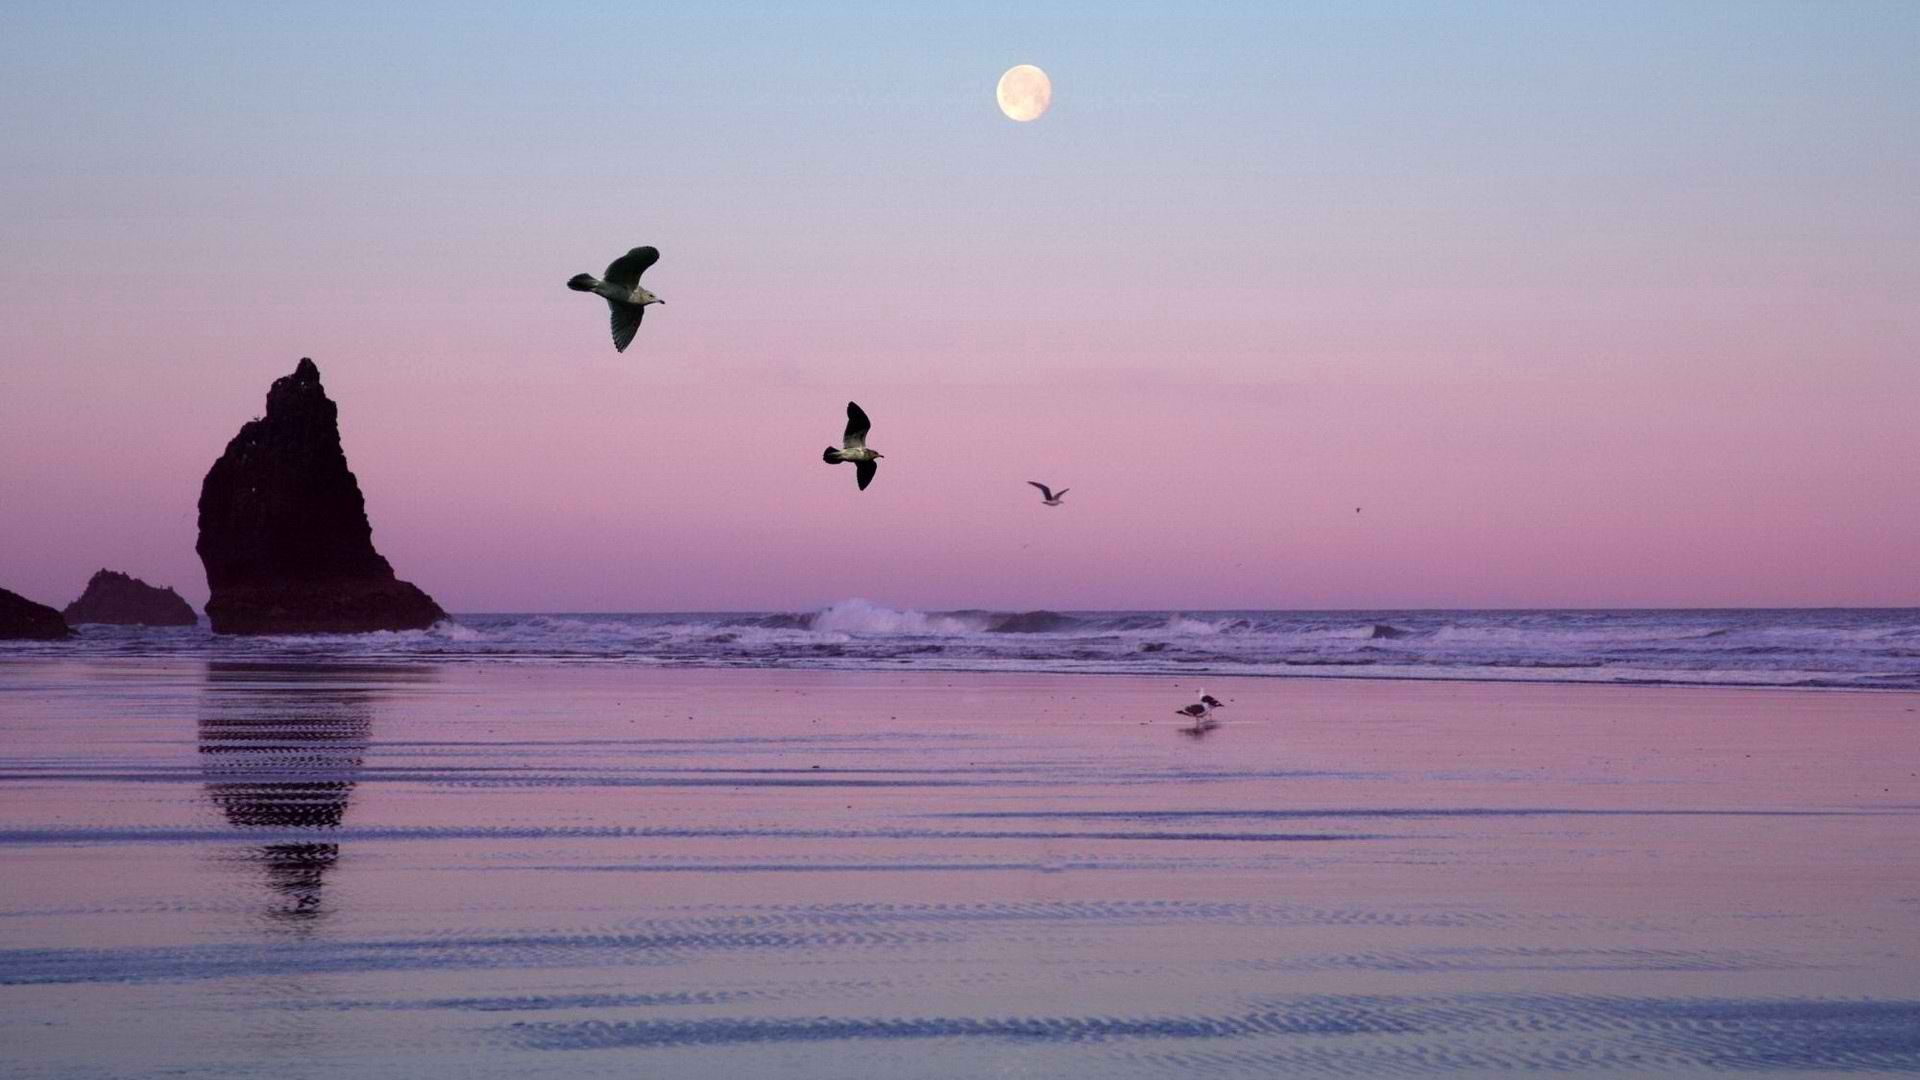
{"points": [[853, 447], [1047, 496], [622, 291]]}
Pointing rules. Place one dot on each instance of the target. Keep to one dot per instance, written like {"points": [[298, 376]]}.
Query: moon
{"points": [[1024, 93]]}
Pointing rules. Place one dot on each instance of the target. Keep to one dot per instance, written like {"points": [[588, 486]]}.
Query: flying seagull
{"points": [[853, 447], [1047, 497], [623, 292]]}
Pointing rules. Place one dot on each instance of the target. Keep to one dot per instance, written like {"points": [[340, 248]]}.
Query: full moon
{"points": [[1024, 93]]}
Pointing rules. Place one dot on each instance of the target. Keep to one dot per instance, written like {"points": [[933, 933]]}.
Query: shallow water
{"points": [[338, 870]]}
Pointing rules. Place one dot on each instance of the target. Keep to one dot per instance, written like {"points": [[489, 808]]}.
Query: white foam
{"points": [[864, 618]]}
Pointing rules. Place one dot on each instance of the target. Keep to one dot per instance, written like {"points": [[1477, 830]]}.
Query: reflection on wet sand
{"points": [[281, 746], [568, 870]]}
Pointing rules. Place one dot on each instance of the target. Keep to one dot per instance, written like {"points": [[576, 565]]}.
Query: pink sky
{"points": [[1627, 324]]}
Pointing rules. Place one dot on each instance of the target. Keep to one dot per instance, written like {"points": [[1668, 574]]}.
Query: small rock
{"points": [[115, 598], [23, 620]]}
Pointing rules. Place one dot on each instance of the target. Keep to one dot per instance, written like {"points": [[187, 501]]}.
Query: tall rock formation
{"points": [[23, 620], [284, 533], [127, 601]]}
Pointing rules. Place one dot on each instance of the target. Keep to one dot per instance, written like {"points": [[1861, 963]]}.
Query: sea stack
{"points": [[23, 620], [284, 533], [127, 601]]}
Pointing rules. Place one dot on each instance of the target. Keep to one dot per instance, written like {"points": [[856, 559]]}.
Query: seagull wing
{"points": [[1062, 493], [863, 472], [626, 270], [857, 427], [1045, 492], [626, 323]]}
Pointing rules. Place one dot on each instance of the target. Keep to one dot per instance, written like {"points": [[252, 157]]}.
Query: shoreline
{"points": [[54, 654]]}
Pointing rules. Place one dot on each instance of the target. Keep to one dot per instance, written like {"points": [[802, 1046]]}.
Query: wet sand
{"points": [[508, 870]]}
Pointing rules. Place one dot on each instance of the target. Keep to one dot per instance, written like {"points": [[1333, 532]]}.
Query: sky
{"points": [[1579, 305]]}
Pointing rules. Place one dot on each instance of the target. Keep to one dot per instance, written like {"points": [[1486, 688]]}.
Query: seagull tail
{"points": [[580, 283], [831, 457]]}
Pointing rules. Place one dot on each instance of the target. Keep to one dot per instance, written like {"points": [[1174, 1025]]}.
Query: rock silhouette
{"points": [[23, 620], [284, 534], [113, 597]]}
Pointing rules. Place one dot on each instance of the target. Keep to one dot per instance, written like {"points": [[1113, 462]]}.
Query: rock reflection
{"points": [[281, 748]]}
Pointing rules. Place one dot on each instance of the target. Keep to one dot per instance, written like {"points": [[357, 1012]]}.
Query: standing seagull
{"points": [[1201, 709], [1047, 497], [623, 292], [853, 447]]}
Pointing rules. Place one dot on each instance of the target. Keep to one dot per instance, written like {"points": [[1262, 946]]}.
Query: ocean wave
{"points": [[1032, 622], [866, 618], [777, 621], [1862, 649]]}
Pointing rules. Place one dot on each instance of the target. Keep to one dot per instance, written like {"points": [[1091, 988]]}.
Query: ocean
{"points": [[1841, 648]]}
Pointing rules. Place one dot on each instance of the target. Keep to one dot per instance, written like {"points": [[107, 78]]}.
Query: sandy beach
{"points": [[335, 870]]}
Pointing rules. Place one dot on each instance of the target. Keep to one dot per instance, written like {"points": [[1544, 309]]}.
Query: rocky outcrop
{"points": [[23, 620], [284, 533], [1383, 631], [115, 598]]}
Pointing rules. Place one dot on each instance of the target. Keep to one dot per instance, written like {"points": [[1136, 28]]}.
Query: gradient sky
{"points": [[1585, 305]]}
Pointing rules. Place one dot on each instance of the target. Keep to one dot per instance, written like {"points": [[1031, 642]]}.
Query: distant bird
{"points": [[1047, 497], [623, 292], [1200, 709], [853, 447]]}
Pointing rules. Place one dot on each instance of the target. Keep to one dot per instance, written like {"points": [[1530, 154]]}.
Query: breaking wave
{"points": [[1841, 648]]}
